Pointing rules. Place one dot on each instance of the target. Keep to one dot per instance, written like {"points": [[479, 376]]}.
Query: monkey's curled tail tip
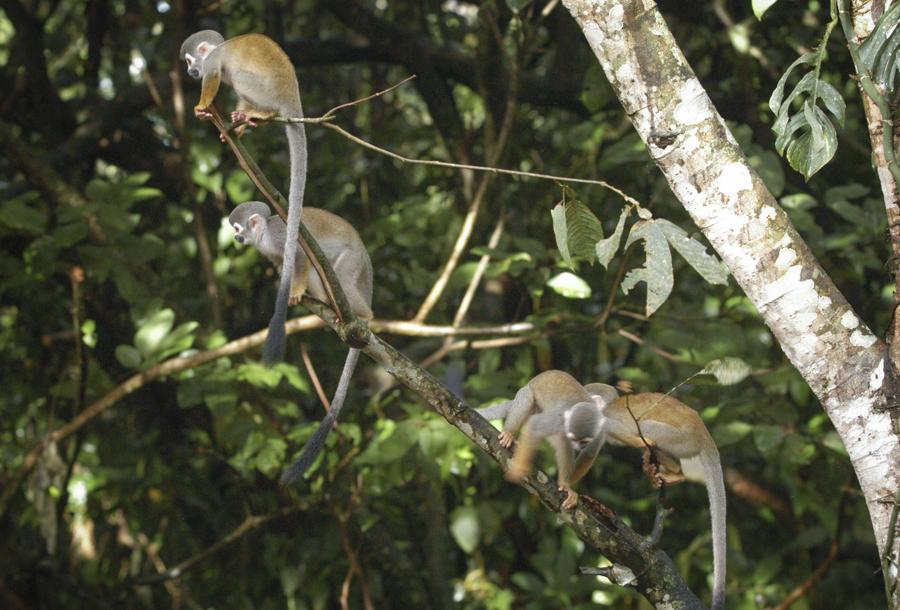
{"points": [[309, 454]]}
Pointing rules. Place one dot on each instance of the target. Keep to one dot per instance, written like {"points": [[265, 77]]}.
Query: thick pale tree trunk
{"points": [[840, 358]]}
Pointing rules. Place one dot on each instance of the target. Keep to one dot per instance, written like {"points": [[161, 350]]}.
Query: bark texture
{"points": [[837, 354]]}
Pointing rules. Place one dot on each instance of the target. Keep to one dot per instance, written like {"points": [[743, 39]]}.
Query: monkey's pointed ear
{"points": [[254, 221], [204, 48]]}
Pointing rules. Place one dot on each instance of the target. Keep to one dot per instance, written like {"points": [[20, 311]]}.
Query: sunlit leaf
{"points": [[465, 528], [657, 269], [153, 331], [570, 286], [607, 248], [577, 230], [761, 6], [728, 370], [708, 266]]}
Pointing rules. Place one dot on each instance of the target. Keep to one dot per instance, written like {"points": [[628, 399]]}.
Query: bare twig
{"points": [[656, 350], [330, 114], [660, 519], [477, 276], [405, 327], [613, 290], [465, 232], [249, 524], [355, 569], [311, 371], [326, 121], [481, 168]]}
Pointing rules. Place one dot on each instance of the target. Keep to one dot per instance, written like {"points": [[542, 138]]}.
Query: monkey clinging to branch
{"points": [[264, 79], [254, 225]]}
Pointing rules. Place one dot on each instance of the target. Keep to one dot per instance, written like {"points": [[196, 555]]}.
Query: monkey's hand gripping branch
{"points": [[336, 296]]}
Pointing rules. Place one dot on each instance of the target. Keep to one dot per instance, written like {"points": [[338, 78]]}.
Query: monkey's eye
{"points": [[578, 443]]}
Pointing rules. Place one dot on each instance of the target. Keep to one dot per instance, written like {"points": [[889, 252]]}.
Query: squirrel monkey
{"points": [[254, 225], [677, 434], [582, 418], [266, 85], [540, 410]]}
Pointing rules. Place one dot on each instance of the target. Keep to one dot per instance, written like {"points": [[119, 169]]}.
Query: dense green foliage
{"points": [[105, 173]]}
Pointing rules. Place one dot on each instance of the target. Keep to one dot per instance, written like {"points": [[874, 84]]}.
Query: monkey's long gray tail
{"points": [[715, 487], [296, 137], [315, 444]]}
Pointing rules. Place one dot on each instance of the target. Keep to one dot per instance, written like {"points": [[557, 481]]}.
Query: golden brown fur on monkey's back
{"points": [[657, 407], [261, 52], [556, 389]]}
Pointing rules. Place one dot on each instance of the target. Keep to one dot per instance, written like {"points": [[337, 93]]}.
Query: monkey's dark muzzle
{"points": [[194, 73], [239, 239]]}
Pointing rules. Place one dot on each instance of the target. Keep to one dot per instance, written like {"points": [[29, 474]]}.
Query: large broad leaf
{"points": [[657, 270], [607, 248], [878, 52], [807, 138], [707, 265], [816, 146], [576, 230]]}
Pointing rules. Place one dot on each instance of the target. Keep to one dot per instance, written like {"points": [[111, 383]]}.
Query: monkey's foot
{"points": [[571, 497], [294, 300], [239, 116], [671, 478], [506, 439], [202, 112]]}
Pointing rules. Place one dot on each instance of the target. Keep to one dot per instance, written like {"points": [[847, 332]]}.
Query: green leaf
{"points": [[812, 150], [776, 100], [767, 438], [707, 265], [577, 230], [391, 443], [606, 248], [293, 377], [657, 269], [465, 528], [761, 6], [561, 232], [808, 139], [259, 375], [732, 432], [128, 356], [728, 370], [878, 52], [152, 332], [17, 214], [569, 285]]}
